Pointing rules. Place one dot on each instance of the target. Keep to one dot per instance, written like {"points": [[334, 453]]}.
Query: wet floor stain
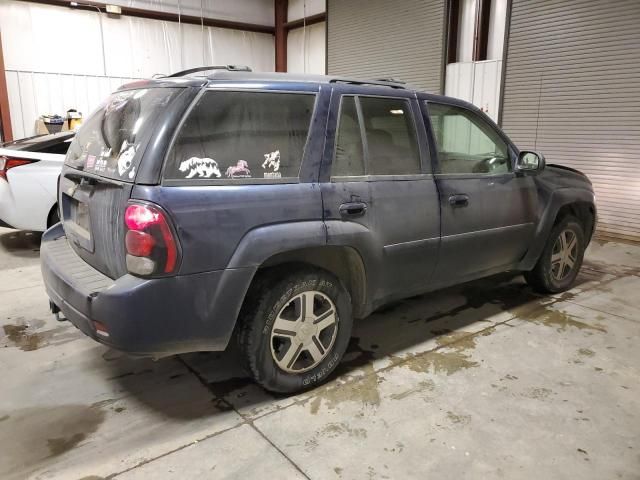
{"points": [[27, 336], [452, 356], [333, 430], [34, 436], [560, 320], [421, 387], [440, 362], [57, 446], [4, 417], [538, 393], [585, 352], [364, 390], [459, 419]]}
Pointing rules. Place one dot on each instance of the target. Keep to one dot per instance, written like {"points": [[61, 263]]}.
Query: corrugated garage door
{"points": [[387, 38], [573, 69]]}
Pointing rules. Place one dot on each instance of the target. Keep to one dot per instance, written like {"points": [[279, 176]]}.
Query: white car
{"points": [[29, 170]]}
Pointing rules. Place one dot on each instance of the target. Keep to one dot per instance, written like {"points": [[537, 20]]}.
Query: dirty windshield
{"points": [[110, 142]]}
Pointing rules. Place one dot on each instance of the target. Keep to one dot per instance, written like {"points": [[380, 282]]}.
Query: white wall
{"points": [[477, 83], [306, 49], [466, 29], [305, 8], [51, 76], [248, 11], [497, 21]]}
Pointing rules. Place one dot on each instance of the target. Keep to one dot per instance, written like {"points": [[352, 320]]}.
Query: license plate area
{"points": [[77, 221]]}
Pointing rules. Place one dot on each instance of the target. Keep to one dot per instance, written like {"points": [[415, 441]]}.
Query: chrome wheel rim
{"points": [[564, 255], [304, 331]]}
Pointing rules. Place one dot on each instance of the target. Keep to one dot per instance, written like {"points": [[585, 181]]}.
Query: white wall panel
{"points": [[27, 99], [497, 22], [459, 80], [13, 86], [486, 87], [466, 30], [477, 83], [305, 8], [306, 49], [46, 80], [248, 11]]}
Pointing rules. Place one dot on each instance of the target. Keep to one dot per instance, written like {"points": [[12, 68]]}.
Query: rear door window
{"points": [[242, 136], [111, 141], [391, 136], [348, 158]]}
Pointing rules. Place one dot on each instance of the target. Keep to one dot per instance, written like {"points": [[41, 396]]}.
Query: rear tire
{"points": [[561, 259], [294, 328]]}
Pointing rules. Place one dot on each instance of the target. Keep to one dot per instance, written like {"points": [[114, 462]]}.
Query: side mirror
{"points": [[529, 161]]}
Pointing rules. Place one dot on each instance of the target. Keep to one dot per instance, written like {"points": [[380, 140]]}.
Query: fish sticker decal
{"points": [[200, 167], [239, 170], [125, 159]]}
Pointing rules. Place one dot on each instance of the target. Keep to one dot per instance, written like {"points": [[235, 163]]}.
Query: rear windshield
{"points": [[242, 136], [110, 142]]}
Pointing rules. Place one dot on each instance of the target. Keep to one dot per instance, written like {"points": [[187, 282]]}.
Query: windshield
{"points": [[110, 142]]}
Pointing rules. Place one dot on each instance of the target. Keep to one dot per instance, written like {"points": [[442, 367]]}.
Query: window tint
{"points": [[466, 143], [230, 135], [59, 148], [391, 137], [112, 139], [348, 158]]}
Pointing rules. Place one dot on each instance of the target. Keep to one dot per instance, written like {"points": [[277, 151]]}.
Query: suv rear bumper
{"points": [[154, 317]]}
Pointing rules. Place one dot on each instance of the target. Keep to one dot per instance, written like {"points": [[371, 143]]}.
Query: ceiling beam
{"points": [[306, 21]]}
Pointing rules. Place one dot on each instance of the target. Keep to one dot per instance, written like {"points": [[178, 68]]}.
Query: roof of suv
{"points": [[244, 75]]}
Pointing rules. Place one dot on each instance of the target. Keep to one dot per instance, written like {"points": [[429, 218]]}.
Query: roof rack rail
{"points": [[390, 80], [379, 83], [230, 68]]}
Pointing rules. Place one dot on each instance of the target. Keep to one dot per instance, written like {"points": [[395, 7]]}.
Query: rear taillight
{"points": [[151, 245], [7, 163]]}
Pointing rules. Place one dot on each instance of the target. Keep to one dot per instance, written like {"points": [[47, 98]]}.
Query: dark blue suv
{"points": [[275, 208]]}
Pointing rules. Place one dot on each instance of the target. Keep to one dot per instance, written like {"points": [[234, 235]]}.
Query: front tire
{"points": [[294, 328], [561, 259]]}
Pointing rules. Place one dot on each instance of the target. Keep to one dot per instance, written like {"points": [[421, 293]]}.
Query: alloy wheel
{"points": [[564, 255], [304, 331]]}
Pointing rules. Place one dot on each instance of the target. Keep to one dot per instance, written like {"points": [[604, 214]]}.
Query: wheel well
{"points": [[583, 211], [343, 262], [52, 212]]}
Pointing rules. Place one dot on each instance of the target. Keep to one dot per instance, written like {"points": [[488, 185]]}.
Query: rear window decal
{"points": [[202, 167], [125, 159], [239, 170], [272, 160], [90, 162]]}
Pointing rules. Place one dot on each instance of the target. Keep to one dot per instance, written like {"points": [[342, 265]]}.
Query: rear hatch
{"points": [[100, 171]]}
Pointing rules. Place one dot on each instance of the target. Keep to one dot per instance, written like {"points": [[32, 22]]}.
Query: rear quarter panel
{"points": [[32, 192], [212, 221]]}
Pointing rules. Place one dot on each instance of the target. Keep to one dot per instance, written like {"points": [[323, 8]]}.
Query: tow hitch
{"points": [[56, 312]]}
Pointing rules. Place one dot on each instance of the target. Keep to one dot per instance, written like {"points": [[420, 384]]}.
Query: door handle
{"points": [[460, 200], [353, 209]]}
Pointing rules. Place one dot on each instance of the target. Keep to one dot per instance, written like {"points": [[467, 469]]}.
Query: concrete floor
{"points": [[485, 380]]}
